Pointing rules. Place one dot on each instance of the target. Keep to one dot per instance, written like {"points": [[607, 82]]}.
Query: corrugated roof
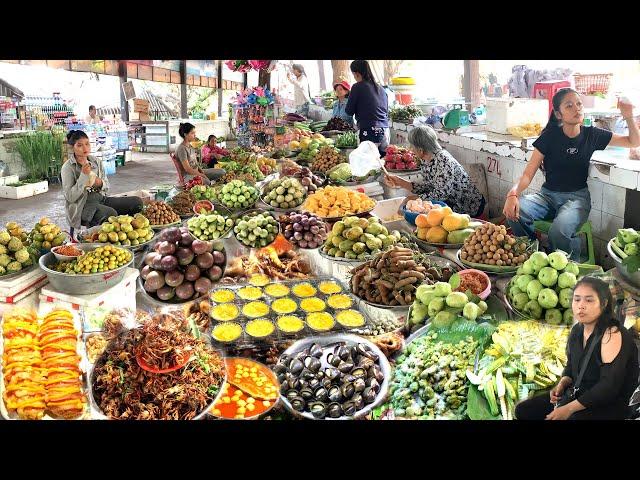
{"points": [[8, 90], [155, 105]]}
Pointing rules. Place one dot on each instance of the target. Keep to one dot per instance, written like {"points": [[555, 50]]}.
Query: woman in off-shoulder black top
{"points": [[611, 374]]}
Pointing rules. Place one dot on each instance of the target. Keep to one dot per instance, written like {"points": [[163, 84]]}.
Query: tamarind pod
{"points": [[393, 302], [400, 298], [412, 273], [407, 297], [405, 281], [385, 283]]}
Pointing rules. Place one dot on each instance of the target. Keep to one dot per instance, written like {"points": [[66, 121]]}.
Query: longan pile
{"points": [[327, 158], [491, 245], [159, 213]]}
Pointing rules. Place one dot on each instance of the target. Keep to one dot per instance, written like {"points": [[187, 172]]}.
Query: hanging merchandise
{"points": [[254, 114], [241, 66]]}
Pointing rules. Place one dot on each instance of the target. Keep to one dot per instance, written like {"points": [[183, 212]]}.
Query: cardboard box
{"points": [[139, 116], [140, 105]]}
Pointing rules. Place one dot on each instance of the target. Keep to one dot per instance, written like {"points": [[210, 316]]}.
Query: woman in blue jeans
{"points": [[564, 150]]}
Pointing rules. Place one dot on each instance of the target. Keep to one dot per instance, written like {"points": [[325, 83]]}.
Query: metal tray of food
{"points": [[83, 284], [162, 227], [341, 260], [332, 219], [10, 276], [83, 362], [279, 335], [136, 248], [265, 205], [328, 343], [98, 414]]}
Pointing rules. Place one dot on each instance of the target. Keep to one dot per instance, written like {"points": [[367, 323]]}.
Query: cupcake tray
{"points": [[279, 336]]}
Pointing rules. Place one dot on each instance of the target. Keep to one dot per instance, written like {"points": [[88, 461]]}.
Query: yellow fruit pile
{"points": [[337, 202], [443, 225]]}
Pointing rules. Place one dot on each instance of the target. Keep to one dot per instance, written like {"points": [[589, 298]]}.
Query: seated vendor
{"points": [[85, 184], [187, 156], [209, 156], [444, 178], [341, 90], [564, 148], [602, 363]]}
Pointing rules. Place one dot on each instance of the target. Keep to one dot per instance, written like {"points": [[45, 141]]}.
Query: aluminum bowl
{"points": [[82, 284], [632, 278]]}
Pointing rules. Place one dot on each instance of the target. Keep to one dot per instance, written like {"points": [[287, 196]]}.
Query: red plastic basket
{"points": [[588, 84]]}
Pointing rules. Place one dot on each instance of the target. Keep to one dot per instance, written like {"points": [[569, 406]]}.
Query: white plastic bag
{"points": [[364, 159]]}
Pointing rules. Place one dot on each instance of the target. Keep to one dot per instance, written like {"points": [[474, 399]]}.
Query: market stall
{"points": [[289, 289]]}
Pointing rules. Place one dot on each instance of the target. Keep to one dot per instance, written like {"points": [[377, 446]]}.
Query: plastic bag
{"points": [[364, 159]]}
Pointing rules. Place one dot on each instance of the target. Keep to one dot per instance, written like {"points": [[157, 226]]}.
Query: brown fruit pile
{"points": [[491, 245], [159, 213], [327, 158]]}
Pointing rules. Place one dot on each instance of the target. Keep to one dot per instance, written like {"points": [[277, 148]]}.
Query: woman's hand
{"points": [[511, 208], [394, 181], [556, 393], [86, 168], [560, 413], [98, 182], [626, 109]]}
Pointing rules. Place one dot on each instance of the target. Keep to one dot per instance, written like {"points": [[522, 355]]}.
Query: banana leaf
{"points": [[461, 329], [477, 405]]}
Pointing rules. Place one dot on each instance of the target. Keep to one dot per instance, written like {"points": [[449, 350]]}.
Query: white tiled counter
{"points": [[614, 179]]}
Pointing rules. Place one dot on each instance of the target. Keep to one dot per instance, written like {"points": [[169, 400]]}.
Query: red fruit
{"points": [[407, 157], [401, 165]]}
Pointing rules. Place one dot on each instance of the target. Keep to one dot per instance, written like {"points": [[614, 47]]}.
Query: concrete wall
{"points": [[12, 159]]}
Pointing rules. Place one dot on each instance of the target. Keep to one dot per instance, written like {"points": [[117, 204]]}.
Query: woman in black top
{"points": [[368, 102], [564, 147], [611, 374]]}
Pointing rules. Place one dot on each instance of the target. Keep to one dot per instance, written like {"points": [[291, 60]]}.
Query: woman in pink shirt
{"points": [[208, 151]]}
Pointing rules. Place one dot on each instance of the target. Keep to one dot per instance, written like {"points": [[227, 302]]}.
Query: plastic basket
{"points": [[588, 84]]}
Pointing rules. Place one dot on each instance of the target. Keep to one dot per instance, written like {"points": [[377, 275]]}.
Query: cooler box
{"points": [[504, 113], [547, 89], [22, 290], [109, 167], [96, 306]]}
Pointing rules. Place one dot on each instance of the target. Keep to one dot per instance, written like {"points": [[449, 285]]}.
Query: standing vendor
{"points": [[564, 148], [342, 89], [188, 157], [85, 184], [301, 92], [368, 102]]}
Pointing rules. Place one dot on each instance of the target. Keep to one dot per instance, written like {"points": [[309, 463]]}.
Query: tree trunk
{"points": [[341, 71], [264, 78]]}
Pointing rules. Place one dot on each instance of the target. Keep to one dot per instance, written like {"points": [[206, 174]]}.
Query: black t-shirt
{"points": [[566, 160]]}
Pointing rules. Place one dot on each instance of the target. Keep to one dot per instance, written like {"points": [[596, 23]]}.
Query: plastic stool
{"points": [[543, 226]]}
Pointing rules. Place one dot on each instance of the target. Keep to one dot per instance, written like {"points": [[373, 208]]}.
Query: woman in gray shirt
{"points": [[187, 156], [84, 185]]}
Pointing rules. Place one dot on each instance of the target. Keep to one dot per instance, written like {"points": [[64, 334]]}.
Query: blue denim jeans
{"points": [[569, 210]]}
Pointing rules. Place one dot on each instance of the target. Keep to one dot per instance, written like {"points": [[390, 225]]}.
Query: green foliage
{"points": [[42, 154]]}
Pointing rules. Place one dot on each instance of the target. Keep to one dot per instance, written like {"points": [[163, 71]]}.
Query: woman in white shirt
{"points": [[302, 94]]}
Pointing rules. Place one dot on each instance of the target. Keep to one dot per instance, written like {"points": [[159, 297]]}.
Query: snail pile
{"points": [[331, 381]]}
